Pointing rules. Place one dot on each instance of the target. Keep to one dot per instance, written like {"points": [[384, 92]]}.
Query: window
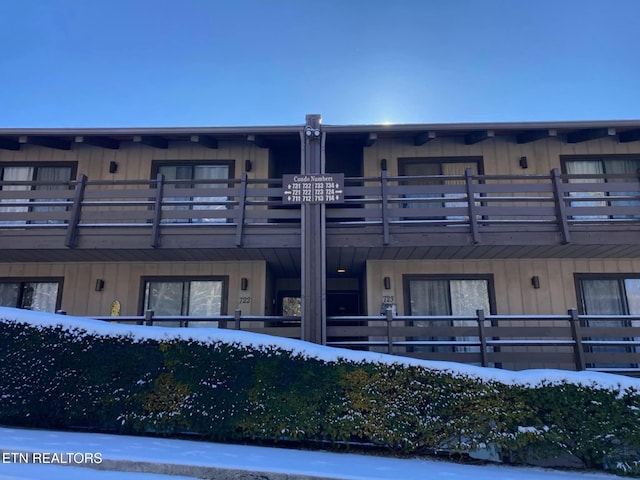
{"points": [[609, 295], [42, 295], [291, 306], [433, 167], [58, 175], [199, 171], [614, 165], [191, 297], [447, 296]]}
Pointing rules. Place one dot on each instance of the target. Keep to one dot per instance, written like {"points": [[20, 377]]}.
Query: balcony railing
{"points": [[474, 204], [606, 343]]}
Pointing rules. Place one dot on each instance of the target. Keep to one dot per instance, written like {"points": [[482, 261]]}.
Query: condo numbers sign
{"points": [[313, 188]]}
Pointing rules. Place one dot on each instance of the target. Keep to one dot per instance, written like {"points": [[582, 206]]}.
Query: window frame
{"points": [[564, 159], [578, 277], [35, 165], [620, 277], [403, 162], [407, 278], [72, 165], [24, 280], [224, 301], [157, 164], [594, 157], [439, 160]]}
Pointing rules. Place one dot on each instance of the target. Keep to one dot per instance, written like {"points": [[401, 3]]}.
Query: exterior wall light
{"points": [[244, 283], [99, 285], [387, 283], [535, 281], [312, 133]]}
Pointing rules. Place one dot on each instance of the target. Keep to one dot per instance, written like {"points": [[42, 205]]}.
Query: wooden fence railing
{"points": [[578, 342], [475, 203]]}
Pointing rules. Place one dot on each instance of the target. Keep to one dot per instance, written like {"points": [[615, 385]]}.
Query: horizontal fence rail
{"points": [[477, 204], [609, 343]]}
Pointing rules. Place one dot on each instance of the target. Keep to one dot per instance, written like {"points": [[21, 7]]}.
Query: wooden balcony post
{"points": [[241, 209], [471, 205], [385, 205], [76, 210], [577, 339], [148, 318], [313, 255], [483, 337], [389, 314], [236, 319], [157, 217], [561, 209]]}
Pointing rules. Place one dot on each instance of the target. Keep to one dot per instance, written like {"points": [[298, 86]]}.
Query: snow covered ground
{"points": [[235, 457], [261, 459]]}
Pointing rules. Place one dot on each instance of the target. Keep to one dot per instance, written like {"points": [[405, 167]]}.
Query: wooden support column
{"points": [[72, 228], [157, 213], [313, 254], [561, 209]]}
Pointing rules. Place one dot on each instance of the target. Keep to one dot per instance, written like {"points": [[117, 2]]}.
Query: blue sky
{"points": [[121, 63]]}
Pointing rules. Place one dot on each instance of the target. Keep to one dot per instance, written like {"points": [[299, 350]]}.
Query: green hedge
{"points": [[62, 377]]}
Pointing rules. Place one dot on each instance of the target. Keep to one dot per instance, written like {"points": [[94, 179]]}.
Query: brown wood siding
{"points": [[122, 282], [513, 291], [134, 160], [512, 280], [501, 154]]}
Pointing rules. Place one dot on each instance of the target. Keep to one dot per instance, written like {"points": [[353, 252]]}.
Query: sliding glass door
{"points": [[629, 167], [610, 295], [48, 177], [38, 295], [197, 172], [186, 297], [452, 297]]}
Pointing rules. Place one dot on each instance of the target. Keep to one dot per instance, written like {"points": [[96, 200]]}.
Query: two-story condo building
{"points": [[522, 221]]}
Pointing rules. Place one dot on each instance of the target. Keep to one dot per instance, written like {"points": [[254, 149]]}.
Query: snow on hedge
{"points": [[530, 378]]}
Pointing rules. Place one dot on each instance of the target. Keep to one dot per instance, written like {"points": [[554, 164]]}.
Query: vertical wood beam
{"points": [[157, 214], [148, 318], [241, 209], [237, 319], [313, 253], [483, 337], [389, 314], [386, 238], [577, 338], [72, 229], [561, 209], [471, 205]]}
